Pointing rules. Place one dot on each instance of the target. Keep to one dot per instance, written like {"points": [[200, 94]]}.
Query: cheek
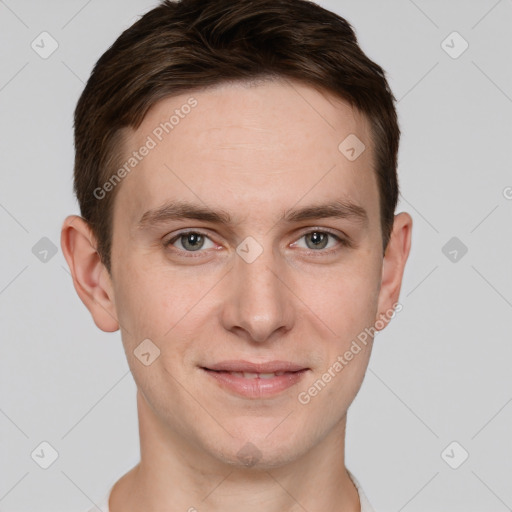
{"points": [[350, 310], [158, 304], [142, 303], [347, 302]]}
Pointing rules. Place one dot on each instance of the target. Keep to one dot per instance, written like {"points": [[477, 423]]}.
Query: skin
{"points": [[254, 151]]}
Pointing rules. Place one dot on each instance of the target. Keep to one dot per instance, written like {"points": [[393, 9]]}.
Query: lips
{"points": [[260, 368], [256, 380], [250, 375]]}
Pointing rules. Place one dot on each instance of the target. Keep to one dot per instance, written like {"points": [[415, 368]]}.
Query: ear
{"points": [[90, 277], [393, 267]]}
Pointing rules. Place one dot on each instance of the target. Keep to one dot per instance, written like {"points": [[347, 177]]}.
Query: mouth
{"points": [[256, 380]]}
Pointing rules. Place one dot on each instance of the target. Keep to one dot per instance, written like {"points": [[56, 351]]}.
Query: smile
{"points": [[255, 380]]}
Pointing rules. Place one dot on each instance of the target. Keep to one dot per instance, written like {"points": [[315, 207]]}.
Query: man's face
{"points": [[258, 289]]}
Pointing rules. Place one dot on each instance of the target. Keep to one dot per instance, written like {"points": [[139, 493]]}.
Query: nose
{"points": [[259, 304]]}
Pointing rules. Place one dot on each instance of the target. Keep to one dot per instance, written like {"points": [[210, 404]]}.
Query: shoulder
{"points": [[102, 506], [365, 504]]}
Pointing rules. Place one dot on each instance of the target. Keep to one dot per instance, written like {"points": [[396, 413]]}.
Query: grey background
{"points": [[439, 373]]}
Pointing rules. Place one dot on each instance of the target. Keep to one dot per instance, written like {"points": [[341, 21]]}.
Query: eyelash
{"points": [[190, 254]]}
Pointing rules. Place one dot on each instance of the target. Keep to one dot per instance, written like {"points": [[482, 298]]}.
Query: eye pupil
{"points": [[319, 240], [190, 239]]}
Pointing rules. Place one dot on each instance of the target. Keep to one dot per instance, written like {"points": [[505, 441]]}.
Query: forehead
{"points": [[249, 148]]}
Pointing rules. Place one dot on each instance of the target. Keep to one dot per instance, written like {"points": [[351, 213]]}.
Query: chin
{"points": [[262, 451]]}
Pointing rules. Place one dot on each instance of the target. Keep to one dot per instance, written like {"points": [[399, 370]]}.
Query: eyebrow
{"points": [[176, 210]]}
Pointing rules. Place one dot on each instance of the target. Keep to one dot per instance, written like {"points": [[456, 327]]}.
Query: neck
{"points": [[176, 476]]}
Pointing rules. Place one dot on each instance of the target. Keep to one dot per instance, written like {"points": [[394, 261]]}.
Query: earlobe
{"points": [[90, 277], [393, 267]]}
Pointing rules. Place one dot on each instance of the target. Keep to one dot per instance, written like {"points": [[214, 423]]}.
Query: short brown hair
{"points": [[192, 44]]}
